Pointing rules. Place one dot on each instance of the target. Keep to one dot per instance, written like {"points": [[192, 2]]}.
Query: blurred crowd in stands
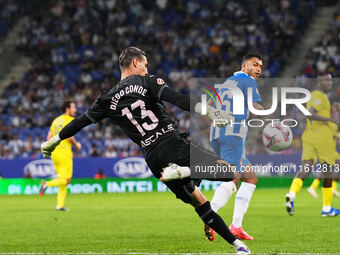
{"points": [[8, 15], [75, 44], [324, 57]]}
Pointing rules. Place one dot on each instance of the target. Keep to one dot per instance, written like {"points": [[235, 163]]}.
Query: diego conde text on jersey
{"points": [[127, 90]]}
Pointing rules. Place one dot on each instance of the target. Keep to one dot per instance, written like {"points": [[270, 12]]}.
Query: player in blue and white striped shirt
{"points": [[229, 143]]}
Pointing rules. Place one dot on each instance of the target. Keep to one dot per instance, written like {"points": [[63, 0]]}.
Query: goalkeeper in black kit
{"points": [[135, 104]]}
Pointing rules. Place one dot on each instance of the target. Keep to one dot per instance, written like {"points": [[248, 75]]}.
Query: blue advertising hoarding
{"points": [[133, 167]]}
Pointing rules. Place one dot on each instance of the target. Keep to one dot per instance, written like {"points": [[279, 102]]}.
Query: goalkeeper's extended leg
{"points": [[174, 172], [214, 221], [188, 193]]}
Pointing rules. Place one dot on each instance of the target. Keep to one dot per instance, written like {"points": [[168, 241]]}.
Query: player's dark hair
{"points": [[250, 56], [128, 54], [65, 105]]}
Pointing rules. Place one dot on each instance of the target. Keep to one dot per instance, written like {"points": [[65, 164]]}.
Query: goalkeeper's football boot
{"points": [[209, 232], [289, 204], [240, 233], [240, 247], [43, 188], [332, 212], [174, 172]]}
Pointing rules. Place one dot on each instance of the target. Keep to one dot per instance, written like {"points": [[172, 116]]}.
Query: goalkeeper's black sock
{"points": [[214, 221]]}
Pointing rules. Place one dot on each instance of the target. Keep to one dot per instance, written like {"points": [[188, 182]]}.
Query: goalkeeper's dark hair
{"points": [[128, 54], [250, 56], [65, 105]]}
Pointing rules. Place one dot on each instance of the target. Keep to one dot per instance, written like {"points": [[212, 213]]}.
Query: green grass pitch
{"points": [[159, 223]]}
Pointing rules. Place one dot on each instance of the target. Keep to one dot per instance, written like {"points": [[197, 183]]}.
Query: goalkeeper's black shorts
{"points": [[178, 150]]}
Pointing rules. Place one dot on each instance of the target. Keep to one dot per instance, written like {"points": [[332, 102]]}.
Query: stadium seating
{"points": [[75, 45]]}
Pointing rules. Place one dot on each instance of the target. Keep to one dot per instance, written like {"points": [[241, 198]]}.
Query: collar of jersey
{"points": [[240, 73]]}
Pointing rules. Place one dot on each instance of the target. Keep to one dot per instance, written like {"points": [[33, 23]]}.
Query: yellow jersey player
{"points": [[336, 135], [62, 156], [317, 141]]}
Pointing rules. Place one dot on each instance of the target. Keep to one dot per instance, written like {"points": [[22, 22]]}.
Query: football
{"points": [[277, 137]]}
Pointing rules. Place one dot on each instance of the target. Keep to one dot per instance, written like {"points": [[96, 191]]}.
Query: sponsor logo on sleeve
{"points": [[160, 81]]}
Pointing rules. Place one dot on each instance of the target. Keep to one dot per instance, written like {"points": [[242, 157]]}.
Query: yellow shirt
{"points": [[334, 128], [64, 149], [317, 130]]}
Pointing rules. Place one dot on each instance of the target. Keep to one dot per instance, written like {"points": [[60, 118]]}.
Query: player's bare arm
{"points": [[74, 142], [257, 106], [49, 135]]}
